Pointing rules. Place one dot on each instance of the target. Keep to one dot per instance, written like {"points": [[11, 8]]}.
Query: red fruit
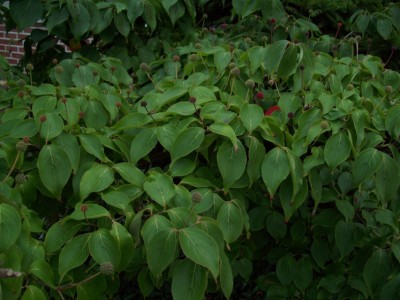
{"points": [[270, 110], [260, 95], [83, 208], [273, 20], [42, 118], [339, 24]]}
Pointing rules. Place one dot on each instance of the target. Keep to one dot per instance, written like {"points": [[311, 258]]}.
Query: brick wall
{"points": [[12, 43]]}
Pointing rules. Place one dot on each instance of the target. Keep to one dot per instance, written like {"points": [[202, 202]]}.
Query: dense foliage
{"points": [[254, 160]]}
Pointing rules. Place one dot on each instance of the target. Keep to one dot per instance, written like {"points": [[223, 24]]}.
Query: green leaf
{"points": [[135, 10], [68, 142], [73, 254], [396, 250], [346, 208], [54, 168], [189, 281], [93, 211], [384, 27], [42, 270], [201, 248], [186, 142], [160, 188], [291, 202], [57, 17], [182, 167], [176, 11], [122, 24], [284, 269], [359, 119], [32, 292], [226, 276], [392, 121], [275, 168], [255, 158], [161, 250], [105, 19], [97, 178], [245, 7], [167, 135], [91, 290], [182, 216], [130, 173], [296, 170], [230, 222], [366, 164], [316, 186], [395, 16], [377, 269], [304, 273], [52, 127], [362, 22], [124, 241], [92, 145], [60, 233], [149, 15], [276, 226], [143, 143], [274, 55], [24, 128], [80, 19], [119, 200], [391, 289], [153, 225], [26, 13], [387, 179], [288, 63], [251, 116], [344, 237], [225, 130], [231, 162], [320, 251], [273, 9], [131, 120], [103, 248], [222, 59], [387, 217], [288, 103], [337, 149], [10, 226], [256, 57], [83, 76], [182, 108]]}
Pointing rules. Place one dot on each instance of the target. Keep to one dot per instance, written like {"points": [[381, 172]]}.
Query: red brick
{"points": [[11, 35], [3, 41], [13, 49], [12, 61], [17, 55]]}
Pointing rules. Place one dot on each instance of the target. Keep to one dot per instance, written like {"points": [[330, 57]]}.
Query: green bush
{"points": [[228, 162]]}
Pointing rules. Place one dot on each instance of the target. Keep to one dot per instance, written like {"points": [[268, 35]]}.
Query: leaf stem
{"points": [[72, 285], [12, 167]]}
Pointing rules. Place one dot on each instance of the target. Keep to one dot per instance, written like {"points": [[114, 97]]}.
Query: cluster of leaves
{"points": [[246, 156]]}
